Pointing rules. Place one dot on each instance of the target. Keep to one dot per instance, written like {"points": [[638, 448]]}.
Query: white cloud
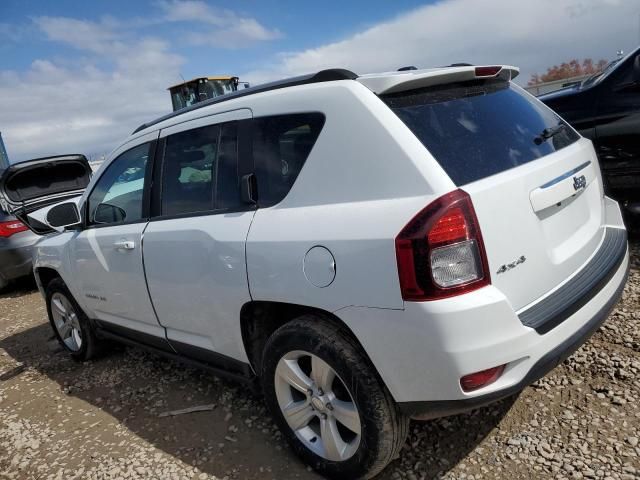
{"points": [[88, 107], [531, 34], [231, 30], [81, 34], [192, 11], [89, 103], [241, 34]]}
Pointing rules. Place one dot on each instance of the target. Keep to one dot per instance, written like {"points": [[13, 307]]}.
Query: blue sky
{"points": [[295, 26], [79, 76]]}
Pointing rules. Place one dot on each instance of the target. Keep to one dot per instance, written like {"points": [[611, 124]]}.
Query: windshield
{"points": [[215, 88], [593, 79], [184, 97]]}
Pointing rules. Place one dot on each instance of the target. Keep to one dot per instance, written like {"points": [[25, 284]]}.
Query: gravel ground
{"points": [[60, 419]]}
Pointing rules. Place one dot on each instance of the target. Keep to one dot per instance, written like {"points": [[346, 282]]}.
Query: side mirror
{"points": [[107, 213], [63, 215]]}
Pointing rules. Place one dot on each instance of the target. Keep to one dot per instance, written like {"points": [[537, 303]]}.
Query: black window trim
{"points": [[146, 189], [245, 164]]}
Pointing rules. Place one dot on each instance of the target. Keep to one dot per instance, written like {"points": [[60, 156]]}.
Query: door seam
{"points": [[146, 283], [246, 259]]}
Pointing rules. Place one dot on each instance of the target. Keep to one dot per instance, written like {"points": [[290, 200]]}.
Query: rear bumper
{"points": [[435, 409], [422, 351], [15, 256]]}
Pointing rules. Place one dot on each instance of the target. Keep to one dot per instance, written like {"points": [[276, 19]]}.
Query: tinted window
{"points": [[187, 176], [477, 129], [117, 196], [200, 171], [281, 145]]}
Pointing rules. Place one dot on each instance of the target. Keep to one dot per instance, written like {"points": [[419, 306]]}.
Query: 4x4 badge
{"points": [[579, 182], [509, 266]]}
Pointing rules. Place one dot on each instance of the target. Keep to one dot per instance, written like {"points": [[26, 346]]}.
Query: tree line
{"points": [[573, 68]]}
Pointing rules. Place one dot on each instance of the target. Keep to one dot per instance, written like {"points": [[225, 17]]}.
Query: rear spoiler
{"points": [[392, 82]]}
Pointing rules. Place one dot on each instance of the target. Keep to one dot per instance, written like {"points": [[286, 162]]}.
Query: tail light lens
{"points": [[477, 380], [440, 252], [487, 71], [9, 228]]}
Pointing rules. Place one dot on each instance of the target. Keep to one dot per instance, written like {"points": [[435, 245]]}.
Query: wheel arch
{"points": [[259, 319], [44, 276]]}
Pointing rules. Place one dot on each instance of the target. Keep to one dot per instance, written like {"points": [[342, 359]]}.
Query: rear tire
{"points": [[70, 324], [351, 428]]}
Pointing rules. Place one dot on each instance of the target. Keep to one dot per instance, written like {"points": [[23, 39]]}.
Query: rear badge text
{"points": [[510, 266]]}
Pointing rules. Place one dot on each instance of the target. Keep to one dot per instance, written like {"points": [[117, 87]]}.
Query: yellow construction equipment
{"points": [[199, 89]]}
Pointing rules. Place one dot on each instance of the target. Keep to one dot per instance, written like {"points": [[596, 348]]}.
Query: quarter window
{"points": [[117, 196], [281, 145]]}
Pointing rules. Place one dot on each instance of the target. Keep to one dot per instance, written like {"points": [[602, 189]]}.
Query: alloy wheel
{"points": [[317, 406], [66, 321]]}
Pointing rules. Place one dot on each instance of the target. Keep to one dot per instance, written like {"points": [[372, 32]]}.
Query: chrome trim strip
{"points": [[565, 175]]}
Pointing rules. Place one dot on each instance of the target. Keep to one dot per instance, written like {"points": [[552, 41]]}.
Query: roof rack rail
{"points": [[321, 76]]}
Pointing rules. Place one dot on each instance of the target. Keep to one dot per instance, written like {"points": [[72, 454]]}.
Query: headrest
{"points": [[191, 156]]}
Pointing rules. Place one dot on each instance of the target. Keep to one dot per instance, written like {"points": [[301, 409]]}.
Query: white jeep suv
{"points": [[370, 248]]}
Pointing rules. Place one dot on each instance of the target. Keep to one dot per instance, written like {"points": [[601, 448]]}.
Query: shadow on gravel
{"points": [[134, 387], [19, 288]]}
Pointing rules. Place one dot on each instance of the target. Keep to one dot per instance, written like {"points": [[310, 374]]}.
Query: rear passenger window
{"points": [[187, 177], [281, 145]]}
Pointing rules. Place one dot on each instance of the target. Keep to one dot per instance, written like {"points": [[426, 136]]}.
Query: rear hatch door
{"points": [[31, 185], [534, 182]]}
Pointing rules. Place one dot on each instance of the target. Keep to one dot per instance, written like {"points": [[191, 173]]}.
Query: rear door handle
{"points": [[124, 245]]}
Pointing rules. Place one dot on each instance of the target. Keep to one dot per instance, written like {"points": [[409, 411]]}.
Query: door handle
{"points": [[124, 245]]}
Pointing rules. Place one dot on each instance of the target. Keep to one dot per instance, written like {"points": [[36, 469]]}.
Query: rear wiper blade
{"points": [[549, 132]]}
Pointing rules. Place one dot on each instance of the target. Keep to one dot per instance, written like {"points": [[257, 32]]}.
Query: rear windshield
{"points": [[477, 129]]}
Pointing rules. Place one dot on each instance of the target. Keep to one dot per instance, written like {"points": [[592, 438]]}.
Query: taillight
{"points": [[440, 252], [9, 228], [491, 71], [477, 380]]}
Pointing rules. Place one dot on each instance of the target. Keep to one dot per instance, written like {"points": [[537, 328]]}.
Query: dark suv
{"points": [[606, 109]]}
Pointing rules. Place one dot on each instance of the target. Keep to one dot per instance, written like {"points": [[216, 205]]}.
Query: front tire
{"points": [[330, 405], [70, 324]]}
